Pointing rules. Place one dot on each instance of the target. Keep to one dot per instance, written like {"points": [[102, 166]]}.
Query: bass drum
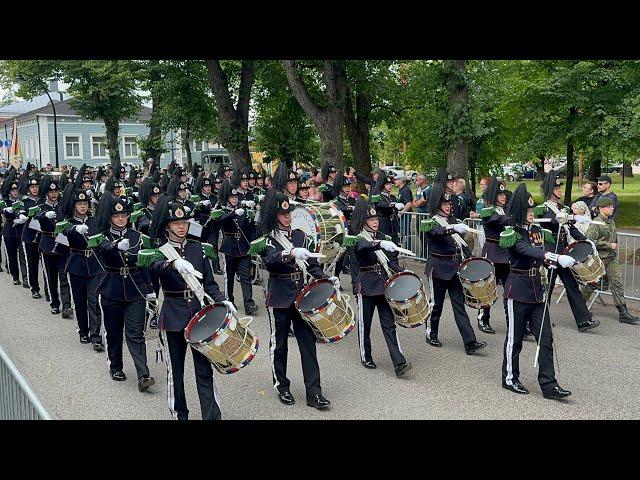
{"points": [[325, 224]]}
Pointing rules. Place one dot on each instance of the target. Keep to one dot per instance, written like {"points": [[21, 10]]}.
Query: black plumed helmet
{"points": [[147, 189], [108, 206], [495, 188], [340, 182], [550, 182], [9, 182], [227, 190], [47, 184], [79, 180], [361, 212], [202, 182], [520, 201], [166, 211], [280, 176], [437, 197], [175, 185], [273, 204]]}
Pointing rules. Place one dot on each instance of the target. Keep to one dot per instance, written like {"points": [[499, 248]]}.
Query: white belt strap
{"points": [[287, 245]]}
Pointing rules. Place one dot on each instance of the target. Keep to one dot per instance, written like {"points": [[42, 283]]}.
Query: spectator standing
{"points": [[589, 190], [484, 183], [420, 202], [405, 197], [604, 190]]}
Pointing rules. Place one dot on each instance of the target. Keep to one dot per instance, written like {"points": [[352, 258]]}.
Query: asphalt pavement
{"points": [[600, 367]]}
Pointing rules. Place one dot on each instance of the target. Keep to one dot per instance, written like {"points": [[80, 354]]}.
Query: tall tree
{"points": [[458, 87]]}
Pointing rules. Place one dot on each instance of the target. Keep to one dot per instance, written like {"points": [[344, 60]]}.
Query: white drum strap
{"points": [[456, 238], [555, 210], [287, 245], [382, 258]]}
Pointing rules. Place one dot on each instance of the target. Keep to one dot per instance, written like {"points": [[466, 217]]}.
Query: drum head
{"points": [[403, 287], [203, 328], [579, 250], [303, 219], [475, 269], [316, 296]]}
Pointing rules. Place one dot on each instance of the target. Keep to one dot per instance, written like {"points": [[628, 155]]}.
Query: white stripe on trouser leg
{"points": [[432, 301], [171, 401], [73, 300], [509, 347], [216, 395], [272, 347], [105, 340], [361, 328], [26, 262]]}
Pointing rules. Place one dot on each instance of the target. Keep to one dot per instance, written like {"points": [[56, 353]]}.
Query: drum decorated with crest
{"points": [[325, 224]]}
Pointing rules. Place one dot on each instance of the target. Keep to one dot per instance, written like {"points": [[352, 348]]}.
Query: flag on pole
{"points": [[15, 155]]}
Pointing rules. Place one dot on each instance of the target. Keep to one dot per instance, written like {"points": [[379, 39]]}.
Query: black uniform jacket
{"points": [[136, 283], [387, 214], [9, 229], [444, 253], [554, 225], [176, 312], [144, 222], [345, 205], [82, 261], [371, 282], [493, 225], [48, 226], [29, 235], [282, 292], [526, 254], [238, 233]]}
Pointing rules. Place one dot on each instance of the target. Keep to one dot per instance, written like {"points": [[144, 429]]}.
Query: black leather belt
{"points": [[372, 268], [457, 255], [180, 294], [49, 234], [123, 271], [289, 276], [531, 272], [85, 253], [234, 235]]}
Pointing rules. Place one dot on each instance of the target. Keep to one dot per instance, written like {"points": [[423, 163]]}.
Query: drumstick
{"points": [[405, 251], [316, 255], [473, 230]]}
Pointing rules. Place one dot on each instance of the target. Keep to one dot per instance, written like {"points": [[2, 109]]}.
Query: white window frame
{"points": [[124, 147], [64, 141], [106, 150]]}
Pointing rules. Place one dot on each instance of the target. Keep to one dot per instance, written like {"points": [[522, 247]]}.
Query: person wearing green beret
{"points": [[605, 239]]}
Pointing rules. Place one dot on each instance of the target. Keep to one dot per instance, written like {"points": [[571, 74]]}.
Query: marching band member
{"points": [[375, 267], [387, 207], [494, 220], [13, 225], [83, 267], [286, 257], [148, 196], [446, 251], [123, 289], [180, 305], [215, 227], [327, 174], [563, 225], [346, 204], [30, 236], [286, 181], [525, 296], [54, 255], [238, 234], [260, 188], [303, 192]]}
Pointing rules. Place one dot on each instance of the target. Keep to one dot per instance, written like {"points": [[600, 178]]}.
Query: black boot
{"points": [[625, 316], [483, 321]]}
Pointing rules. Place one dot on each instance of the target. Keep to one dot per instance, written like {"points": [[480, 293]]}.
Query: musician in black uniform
{"points": [[180, 305], [82, 266], [346, 204], [526, 297], [561, 220], [54, 255], [260, 188], [328, 175], [373, 262], [446, 251], [303, 192], [124, 289], [215, 227], [238, 234], [202, 213], [284, 252], [30, 236], [387, 207], [494, 220], [13, 224]]}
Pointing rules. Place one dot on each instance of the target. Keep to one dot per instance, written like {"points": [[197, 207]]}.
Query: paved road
{"points": [[601, 367]]}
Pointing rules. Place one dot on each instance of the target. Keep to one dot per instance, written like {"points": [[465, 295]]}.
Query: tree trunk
{"points": [[458, 155], [595, 170], [233, 121], [570, 159], [626, 168], [112, 128], [186, 144], [359, 133], [155, 133], [328, 121]]}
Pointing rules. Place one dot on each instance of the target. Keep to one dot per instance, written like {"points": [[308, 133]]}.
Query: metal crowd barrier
{"points": [[17, 399], [628, 251]]}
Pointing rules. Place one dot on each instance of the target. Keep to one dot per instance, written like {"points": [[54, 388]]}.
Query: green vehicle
{"points": [[210, 159]]}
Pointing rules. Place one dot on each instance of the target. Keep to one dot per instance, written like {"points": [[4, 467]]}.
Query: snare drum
{"points": [[408, 299], [326, 310], [325, 224], [588, 267], [226, 342], [478, 279]]}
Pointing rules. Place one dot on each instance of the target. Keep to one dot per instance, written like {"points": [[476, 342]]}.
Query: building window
{"points": [[130, 147], [99, 147], [72, 146]]}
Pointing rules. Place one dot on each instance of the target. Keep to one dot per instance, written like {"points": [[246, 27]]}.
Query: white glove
{"points": [[50, 215], [206, 203], [94, 200], [582, 218], [89, 193], [551, 257], [260, 198], [388, 246], [300, 253], [229, 306], [82, 229], [566, 261], [336, 282], [8, 210], [460, 228], [562, 218], [249, 203], [399, 206], [20, 220], [183, 266], [187, 209], [123, 244], [239, 211], [151, 297]]}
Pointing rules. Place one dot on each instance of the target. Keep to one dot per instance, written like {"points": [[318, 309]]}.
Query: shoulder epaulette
{"points": [[539, 210], [135, 216], [427, 225], [33, 211], [209, 251], [146, 241], [350, 240], [487, 212], [509, 237], [215, 214], [148, 256], [60, 226], [96, 240], [257, 246]]}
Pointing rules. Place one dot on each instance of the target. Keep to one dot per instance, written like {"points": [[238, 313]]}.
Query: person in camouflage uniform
{"points": [[605, 239]]}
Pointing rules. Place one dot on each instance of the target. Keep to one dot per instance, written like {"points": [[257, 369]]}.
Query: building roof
{"points": [[25, 106]]}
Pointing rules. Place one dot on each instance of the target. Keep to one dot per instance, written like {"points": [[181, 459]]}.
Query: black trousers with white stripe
{"points": [[517, 315], [175, 348], [12, 244], [501, 272], [456, 296], [367, 305], [282, 319]]}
